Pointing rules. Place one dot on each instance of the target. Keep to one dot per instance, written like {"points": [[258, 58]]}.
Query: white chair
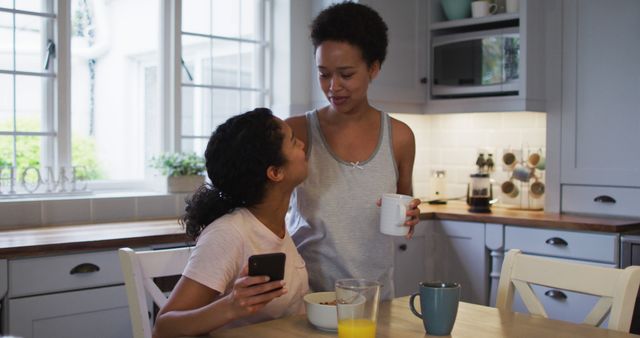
{"points": [[139, 269], [616, 287]]}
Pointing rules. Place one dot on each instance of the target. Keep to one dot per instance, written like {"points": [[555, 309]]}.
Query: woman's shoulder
{"points": [[401, 132], [227, 226]]}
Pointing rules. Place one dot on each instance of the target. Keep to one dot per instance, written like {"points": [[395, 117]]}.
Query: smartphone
{"points": [[271, 264]]}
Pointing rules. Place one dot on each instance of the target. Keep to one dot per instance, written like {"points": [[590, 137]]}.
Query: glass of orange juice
{"points": [[357, 301]]}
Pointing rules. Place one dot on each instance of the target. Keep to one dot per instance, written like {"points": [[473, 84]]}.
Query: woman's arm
{"points": [[194, 309], [404, 149]]}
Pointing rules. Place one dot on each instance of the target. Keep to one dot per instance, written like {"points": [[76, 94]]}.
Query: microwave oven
{"points": [[476, 64]]}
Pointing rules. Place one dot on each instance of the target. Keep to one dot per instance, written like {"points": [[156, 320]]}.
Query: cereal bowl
{"points": [[322, 316]]}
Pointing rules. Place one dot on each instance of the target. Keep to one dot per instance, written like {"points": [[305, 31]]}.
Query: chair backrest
{"points": [[616, 288], [139, 269]]}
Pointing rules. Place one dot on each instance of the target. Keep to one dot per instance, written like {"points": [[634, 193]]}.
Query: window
{"points": [[223, 59], [27, 78], [81, 82]]}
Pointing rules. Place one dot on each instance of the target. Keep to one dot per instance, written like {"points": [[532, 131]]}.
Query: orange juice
{"points": [[356, 328]]}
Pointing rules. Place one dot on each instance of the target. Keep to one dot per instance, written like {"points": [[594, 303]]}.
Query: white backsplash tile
{"points": [[151, 207], [113, 209], [451, 142], [66, 211], [14, 214]]}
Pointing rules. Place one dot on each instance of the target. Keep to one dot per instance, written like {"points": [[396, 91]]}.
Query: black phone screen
{"points": [[271, 264]]}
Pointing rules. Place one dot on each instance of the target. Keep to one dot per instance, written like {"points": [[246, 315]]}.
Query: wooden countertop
{"points": [[76, 238], [458, 211]]}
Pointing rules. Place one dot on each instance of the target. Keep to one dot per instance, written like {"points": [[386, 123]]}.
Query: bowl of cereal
{"points": [[321, 310]]}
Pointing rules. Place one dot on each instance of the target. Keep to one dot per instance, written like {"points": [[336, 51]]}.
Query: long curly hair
{"points": [[237, 157], [356, 24]]}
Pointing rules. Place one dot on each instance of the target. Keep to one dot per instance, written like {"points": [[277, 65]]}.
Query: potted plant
{"points": [[184, 171]]}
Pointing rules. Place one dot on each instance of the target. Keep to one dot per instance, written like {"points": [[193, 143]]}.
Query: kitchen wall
{"points": [[451, 142]]}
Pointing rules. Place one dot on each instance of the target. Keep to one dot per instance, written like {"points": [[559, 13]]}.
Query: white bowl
{"points": [[324, 317]]}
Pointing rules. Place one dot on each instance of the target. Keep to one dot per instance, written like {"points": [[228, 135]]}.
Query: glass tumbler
{"points": [[357, 302]]}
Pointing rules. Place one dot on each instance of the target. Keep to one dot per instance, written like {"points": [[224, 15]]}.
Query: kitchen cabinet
{"points": [[76, 295], [455, 251], [530, 22], [581, 247], [600, 106], [408, 263], [401, 86]]}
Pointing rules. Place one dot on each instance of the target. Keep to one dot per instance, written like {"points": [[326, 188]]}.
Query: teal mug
{"points": [[456, 9], [439, 304]]}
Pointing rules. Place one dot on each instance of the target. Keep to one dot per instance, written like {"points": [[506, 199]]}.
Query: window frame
{"points": [[57, 152]]}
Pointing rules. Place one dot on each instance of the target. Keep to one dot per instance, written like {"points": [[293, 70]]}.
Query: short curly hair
{"points": [[356, 24]]}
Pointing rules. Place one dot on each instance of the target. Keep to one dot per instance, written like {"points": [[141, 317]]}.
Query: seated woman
{"points": [[254, 162]]}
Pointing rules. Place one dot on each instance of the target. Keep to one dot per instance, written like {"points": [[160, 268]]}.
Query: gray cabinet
{"points": [[600, 94], [408, 261], [75, 295], [581, 247], [401, 85], [455, 251]]}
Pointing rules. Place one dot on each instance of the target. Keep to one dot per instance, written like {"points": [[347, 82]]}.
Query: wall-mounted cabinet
{"points": [[402, 83], [500, 68], [600, 106]]}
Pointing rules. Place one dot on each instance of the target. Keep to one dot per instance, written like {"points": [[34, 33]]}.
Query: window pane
{"points": [[6, 102], [195, 16], [28, 149], [225, 18], [190, 145], [250, 65], [249, 19], [6, 41], [6, 152], [6, 4], [194, 50], [30, 102], [224, 104], [250, 101], [31, 42], [115, 52], [224, 63], [39, 6]]}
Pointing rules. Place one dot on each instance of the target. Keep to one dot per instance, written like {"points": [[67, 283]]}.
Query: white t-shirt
{"points": [[224, 247]]}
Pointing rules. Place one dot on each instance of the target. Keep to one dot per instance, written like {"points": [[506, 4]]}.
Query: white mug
{"points": [[482, 8], [393, 214], [512, 6]]}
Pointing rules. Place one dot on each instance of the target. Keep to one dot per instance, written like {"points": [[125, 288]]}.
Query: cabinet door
{"points": [[455, 251], [399, 86], [601, 93], [409, 262], [101, 312]]}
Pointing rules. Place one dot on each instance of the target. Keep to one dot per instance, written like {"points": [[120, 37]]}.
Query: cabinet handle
{"points": [[604, 199], [84, 268], [402, 247], [423, 80], [556, 241], [556, 294]]}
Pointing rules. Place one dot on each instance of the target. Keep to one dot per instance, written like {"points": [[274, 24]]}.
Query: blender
{"points": [[479, 193]]}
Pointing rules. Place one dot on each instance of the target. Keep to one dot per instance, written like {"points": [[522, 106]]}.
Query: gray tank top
{"points": [[336, 226]]}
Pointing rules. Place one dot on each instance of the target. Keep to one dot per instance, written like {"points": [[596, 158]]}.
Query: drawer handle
{"points": [[604, 199], [556, 294], [84, 268], [402, 247], [556, 241]]}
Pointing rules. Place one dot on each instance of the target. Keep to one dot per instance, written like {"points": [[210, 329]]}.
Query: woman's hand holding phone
{"points": [[252, 293]]}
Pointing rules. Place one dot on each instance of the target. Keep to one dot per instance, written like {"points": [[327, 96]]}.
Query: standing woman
{"points": [[254, 162], [355, 152]]}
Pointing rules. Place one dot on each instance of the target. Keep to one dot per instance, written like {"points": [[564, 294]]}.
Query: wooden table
{"points": [[396, 320]]}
